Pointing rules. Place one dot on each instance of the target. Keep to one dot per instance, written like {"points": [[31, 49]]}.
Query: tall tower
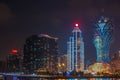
{"points": [[103, 38], [75, 51]]}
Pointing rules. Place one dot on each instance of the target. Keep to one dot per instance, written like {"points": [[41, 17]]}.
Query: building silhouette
{"points": [[40, 53], [62, 63], [75, 51], [14, 61], [115, 62], [103, 38], [2, 66]]}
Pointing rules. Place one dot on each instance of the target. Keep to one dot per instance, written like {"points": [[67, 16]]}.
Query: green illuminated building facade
{"points": [[103, 38]]}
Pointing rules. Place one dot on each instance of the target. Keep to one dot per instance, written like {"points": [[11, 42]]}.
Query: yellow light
{"points": [[59, 65], [63, 64]]}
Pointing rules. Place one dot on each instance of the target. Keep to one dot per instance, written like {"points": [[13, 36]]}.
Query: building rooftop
{"points": [[47, 36]]}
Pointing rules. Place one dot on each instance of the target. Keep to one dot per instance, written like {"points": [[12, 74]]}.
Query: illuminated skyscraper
{"points": [[103, 38], [40, 53], [75, 51]]}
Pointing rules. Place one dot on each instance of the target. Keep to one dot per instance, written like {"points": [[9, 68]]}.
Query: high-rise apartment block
{"points": [[14, 61], [40, 53]]}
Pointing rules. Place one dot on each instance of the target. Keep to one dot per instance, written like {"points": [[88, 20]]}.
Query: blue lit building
{"points": [[75, 51], [103, 38]]}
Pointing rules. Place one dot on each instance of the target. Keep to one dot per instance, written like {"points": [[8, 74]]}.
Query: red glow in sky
{"points": [[14, 51]]}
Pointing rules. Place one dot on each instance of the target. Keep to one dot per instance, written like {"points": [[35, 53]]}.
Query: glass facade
{"points": [[75, 51], [40, 53]]}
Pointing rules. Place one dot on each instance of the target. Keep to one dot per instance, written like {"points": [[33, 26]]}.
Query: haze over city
{"points": [[23, 18]]}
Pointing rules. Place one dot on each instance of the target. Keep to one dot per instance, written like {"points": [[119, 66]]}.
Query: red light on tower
{"points": [[14, 51], [76, 25]]}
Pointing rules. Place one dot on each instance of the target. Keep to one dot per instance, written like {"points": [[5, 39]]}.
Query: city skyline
{"points": [[20, 19]]}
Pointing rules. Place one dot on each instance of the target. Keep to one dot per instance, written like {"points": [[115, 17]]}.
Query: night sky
{"points": [[20, 19]]}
